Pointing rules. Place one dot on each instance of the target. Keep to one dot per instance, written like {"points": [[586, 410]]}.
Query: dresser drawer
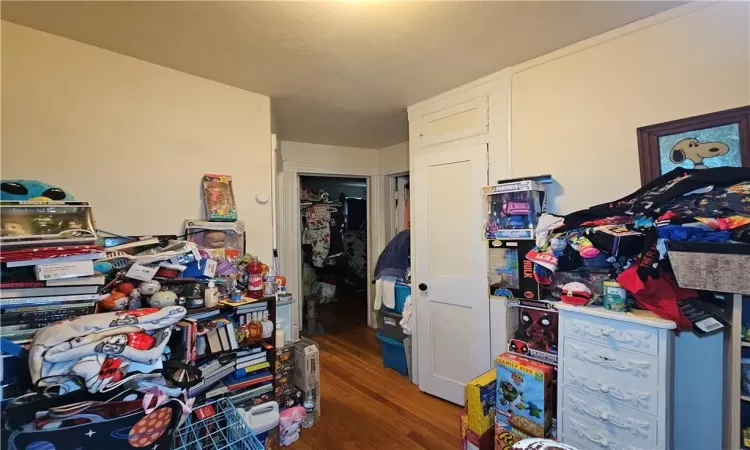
{"points": [[625, 377], [614, 334], [630, 427], [585, 434]]}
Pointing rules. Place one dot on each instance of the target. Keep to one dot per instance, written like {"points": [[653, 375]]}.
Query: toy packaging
{"points": [[473, 441], [480, 402], [222, 241], [514, 208], [533, 327], [506, 436], [218, 198], [593, 279], [525, 393], [510, 273], [46, 224]]}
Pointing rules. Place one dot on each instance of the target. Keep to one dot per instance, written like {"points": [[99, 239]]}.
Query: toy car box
{"points": [[510, 273], [533, 329], [525, 393], [514, 208], [481, 393]]}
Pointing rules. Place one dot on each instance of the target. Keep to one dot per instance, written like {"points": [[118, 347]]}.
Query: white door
{"points": [[449, 276]]}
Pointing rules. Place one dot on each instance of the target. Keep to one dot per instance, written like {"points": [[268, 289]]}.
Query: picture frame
{"points": [[710, 140]]}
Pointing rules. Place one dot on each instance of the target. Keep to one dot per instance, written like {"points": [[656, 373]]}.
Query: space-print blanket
{"points": [[102, 348]]}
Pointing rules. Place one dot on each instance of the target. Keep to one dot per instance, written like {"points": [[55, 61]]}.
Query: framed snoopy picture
{"points": [[711, 140]]}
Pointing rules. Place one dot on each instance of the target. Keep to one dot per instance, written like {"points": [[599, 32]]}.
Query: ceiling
{"points": [[339, 73]]}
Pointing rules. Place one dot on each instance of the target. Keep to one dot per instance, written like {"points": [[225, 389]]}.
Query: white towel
{"points": [[406, 317], [385, 293]]}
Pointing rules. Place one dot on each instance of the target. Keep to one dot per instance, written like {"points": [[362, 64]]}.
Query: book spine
{"points": [[53, 316]]}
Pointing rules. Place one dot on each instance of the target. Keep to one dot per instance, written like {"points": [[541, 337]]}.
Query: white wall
{"points": [[576, 117], [131, 137], [328, 155], [394, 159]]}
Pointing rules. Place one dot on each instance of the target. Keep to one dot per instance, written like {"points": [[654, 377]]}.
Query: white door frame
{"points": [[290, 224]]}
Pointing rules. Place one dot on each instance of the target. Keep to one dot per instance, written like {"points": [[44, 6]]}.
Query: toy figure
{"points": [[289, 425], [214, 239], [13, 229], [538, 328], [509, 392], [218, 198], [534, 410], [43, 224], [32, 190]]}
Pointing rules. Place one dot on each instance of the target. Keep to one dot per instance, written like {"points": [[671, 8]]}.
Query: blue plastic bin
{"points": [[402, 291], [394, 356]]}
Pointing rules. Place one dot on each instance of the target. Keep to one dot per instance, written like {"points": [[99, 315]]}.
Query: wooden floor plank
{"points": [[366, 406]]}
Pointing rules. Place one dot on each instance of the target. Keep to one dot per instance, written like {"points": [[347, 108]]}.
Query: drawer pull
{"points": [[635, 338], [637, 427], [607, 359], [597, 437], [639, 399]]}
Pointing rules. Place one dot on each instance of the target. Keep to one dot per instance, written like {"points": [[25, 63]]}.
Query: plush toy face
{"points": [[33, 190]]}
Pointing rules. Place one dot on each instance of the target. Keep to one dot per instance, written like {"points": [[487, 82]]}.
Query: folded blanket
{"points": [[100, 347]]}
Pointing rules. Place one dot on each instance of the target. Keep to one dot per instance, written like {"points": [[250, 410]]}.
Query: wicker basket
{"points": [[719, 267]]}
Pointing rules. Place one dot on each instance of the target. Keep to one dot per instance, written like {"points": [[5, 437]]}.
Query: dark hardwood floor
{"points": [[365, 406]]}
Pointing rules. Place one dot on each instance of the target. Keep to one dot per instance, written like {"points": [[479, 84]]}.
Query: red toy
{"points": [[535, 333]]}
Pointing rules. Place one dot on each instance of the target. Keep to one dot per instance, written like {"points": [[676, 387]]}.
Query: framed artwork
{"points": [[711, 140]]}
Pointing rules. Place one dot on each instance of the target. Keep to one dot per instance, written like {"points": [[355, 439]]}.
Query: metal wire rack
{"points": [[222, 430]]}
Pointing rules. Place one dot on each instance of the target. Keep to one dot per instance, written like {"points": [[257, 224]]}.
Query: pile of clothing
{"points": [[628, 236]]}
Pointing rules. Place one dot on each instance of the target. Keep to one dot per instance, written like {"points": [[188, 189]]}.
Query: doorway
{"points": [[333, 249]]}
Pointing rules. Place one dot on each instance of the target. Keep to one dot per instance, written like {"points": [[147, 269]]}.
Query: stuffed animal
{"points": [[33, 190], [289, 425]]}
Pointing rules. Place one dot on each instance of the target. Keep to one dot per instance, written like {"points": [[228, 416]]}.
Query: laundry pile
{"points": [[628, 236]]}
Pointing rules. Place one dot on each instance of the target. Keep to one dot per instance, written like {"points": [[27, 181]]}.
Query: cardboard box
{"points": [[480, 402], [306, 365], [472, 441], [510, 273], [285, 359], [533, 329], [525, 393], [506, 436], [57, 271]]}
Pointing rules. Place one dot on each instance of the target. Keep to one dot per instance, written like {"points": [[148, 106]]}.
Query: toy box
{"points": [[46, 223], [514, 208], [525, 393], [218, 198], [223, 241], [473, 441], [480, 402], [510, 273], [533, 329]]}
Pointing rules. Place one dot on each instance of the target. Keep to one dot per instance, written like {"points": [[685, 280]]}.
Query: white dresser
{"points": [[617, 383]]}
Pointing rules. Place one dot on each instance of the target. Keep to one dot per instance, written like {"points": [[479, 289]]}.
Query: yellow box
{"points": [[480, 402]]}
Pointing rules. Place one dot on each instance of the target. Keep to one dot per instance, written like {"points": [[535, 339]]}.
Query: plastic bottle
{"points": [[211, 295], [309, 418], [255, 279]]}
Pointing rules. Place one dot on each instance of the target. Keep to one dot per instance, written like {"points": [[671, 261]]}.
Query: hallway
{"points": [[365, 406]]}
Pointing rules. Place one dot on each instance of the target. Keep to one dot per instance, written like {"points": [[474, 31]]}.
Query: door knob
{"points": [[422, 287]]}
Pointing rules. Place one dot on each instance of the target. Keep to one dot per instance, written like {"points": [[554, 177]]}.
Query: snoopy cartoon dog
{"points": [[696, 151]]}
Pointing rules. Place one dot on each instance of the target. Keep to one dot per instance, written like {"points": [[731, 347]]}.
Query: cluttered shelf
{"points": [[190, 318]]}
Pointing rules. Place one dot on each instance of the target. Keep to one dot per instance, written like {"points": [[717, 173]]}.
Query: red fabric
{"points": [[141, 340], [658, 295]]}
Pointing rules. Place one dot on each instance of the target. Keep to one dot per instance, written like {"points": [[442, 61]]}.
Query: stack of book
{"points": [[44, 285], [250, 375]]}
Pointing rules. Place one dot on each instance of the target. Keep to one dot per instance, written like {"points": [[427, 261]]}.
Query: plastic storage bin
{"points": [[394, 356], [402, 291], [390, 324]]}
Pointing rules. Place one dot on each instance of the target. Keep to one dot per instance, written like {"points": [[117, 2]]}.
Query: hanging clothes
{"points": [[323, 229]]}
